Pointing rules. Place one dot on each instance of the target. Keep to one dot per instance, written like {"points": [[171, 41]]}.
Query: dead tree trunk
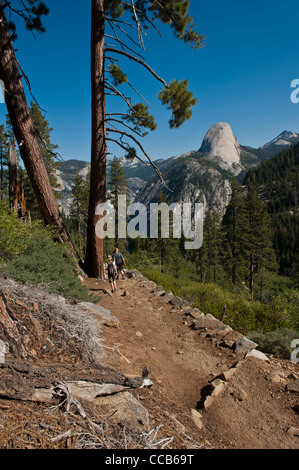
{"points": [[94, 265], [25, 133], [16, 187], [13, 174]]}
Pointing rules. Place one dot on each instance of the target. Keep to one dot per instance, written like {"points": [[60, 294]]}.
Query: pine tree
{"points": [[167, 250], [125, 128], [117, 187], [48, 149], [258, 248], [49, 155], [11, 73], [79, 209], [210, 253], [235, 230]]}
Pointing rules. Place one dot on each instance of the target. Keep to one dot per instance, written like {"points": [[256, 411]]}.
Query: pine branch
{"points": [[112, 24], [141, 62], [123, 45], [118, 93], [123, 124], [144, 152]]}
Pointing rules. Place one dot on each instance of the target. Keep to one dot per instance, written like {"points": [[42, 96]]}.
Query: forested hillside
{"points": [[277, 183]]}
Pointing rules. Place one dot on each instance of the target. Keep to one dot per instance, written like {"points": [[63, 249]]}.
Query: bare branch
{"points": [[139, 27], [123, 44], [144, 64], [118, 93], [143, 15], [145, 154], [123, 124], [112, 24]]}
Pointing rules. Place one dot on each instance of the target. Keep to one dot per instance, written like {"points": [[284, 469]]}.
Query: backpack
{"points": [[111, 270]]}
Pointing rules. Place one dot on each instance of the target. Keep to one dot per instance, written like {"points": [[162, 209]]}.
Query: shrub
{"points": [[48, 265], [276, 342], [14, 234], [30, 255]]}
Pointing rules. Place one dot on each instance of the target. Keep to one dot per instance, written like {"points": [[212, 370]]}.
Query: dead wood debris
{"points": [[50, 348]]}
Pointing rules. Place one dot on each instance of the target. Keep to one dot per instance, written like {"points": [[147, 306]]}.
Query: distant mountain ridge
{"points": [[202, 175]]}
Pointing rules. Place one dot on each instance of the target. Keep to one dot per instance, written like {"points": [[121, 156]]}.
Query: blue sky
{"points": [[242, 76]]}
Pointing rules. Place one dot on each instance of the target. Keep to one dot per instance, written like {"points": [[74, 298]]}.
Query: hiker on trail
{"points": [[111, 272], [120, 263]]}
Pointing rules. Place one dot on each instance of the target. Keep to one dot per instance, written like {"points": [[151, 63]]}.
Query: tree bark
{"points": [[94, 265], [25, 134]]}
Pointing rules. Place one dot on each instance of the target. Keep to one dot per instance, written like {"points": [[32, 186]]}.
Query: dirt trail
{"points": [[254, 411]]}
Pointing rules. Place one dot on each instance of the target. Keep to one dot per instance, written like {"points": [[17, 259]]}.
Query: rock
{"points": [[197, 419], [275, 377], [257, 355], [208, 402], [167, 296], [217, 387], [220, 332], [158, 290], [296, 408], [177, 302], [228, 374], [3, 351], [207, 322], [103, 313], [194, 313], [244, 345], [239, 393], [125, 410], [139, 334], [293, 386], [293, 431], [221, 142]]}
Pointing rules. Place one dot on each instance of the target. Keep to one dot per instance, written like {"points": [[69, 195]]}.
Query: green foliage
{"points": [[117, 187], [114, 8], [117, 75], [141, 118], [179, 100], [277, 183], [276, 342], [49, 155], [31, 12], [14, 233], [29, 254], [175, 13], [48, 265]]}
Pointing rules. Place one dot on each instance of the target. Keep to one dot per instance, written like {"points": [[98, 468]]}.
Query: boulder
{"points": [[206, 323], [244, 345], [158, 290], [293, 386], [194, 313], [257, 354], [125, 410], [197, 419]]}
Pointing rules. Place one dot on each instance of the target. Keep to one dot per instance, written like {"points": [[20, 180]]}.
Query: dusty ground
{"points": [[253, 413]]}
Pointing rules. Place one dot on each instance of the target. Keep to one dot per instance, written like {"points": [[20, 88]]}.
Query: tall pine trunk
{"points": [[94, 265], [25, 133]]}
